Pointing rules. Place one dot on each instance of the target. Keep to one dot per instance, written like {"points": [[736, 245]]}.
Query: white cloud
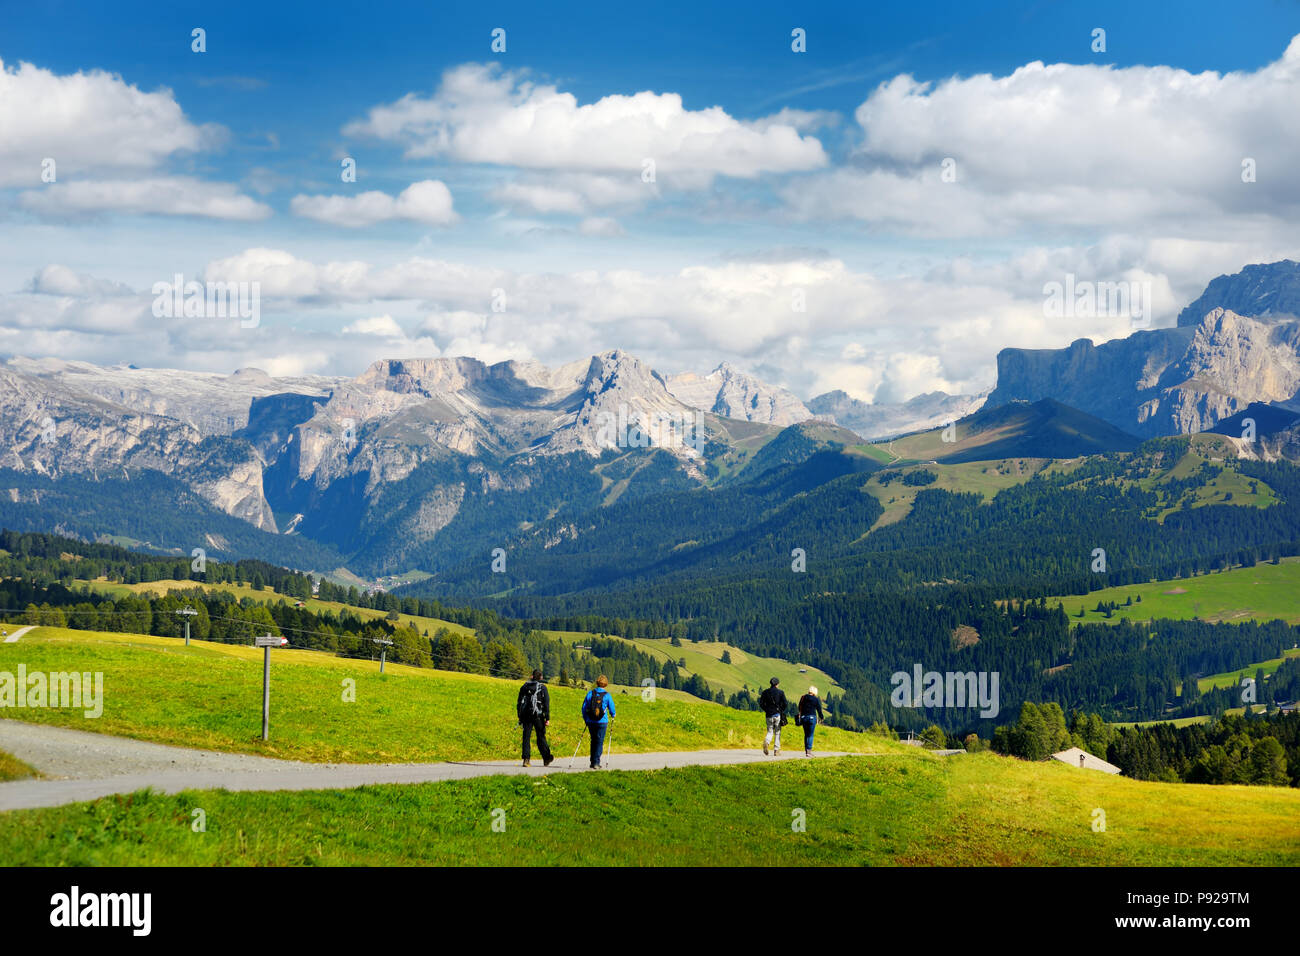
{"points": [[57, 279], [601, 226], [428, 202], [88, 121], [481, 114], [160, 196], [574, 193], [1067, 146], [383, 325]]}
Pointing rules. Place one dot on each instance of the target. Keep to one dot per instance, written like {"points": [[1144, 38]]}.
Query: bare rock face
{"points": [[732, 394], [1165, 381], [222, 435], [436, 510], [211, 403], [1238, 343], [1266, 291], [49, 427], [622, 402]]}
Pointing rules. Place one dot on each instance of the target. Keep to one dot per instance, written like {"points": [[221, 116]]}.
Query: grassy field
{"points": [[209, 695], [1177, 722], [704, 659], [986, 478], [11, 768], [1265, 592], [241, 591], [897, 809], [745, 670], [1230, 487], [1233, 679]]}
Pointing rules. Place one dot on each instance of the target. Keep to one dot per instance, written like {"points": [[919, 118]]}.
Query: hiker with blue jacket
{"points": [[534, 711], [810, 709], [597, 708]]}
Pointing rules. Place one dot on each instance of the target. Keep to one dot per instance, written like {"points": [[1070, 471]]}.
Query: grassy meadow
{"points": [[209, 695], [894, 809]]}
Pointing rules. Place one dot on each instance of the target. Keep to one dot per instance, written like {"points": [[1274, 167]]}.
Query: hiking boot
{"points": [[807, 753], [764, 748], [776, 752], [547, 761], [528, 763]]}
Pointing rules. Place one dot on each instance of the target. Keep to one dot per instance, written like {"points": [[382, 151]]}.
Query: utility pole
{"points": [[188, 612], [384, 644]]}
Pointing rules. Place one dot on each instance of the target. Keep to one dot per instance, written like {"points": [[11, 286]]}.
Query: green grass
{"points": [[268, 594], [209, 695], [898, 809], [985, 478], [1265, 592], [704, 659], [1233, 678], [745, 670], [1177, 722], [11, 768]]}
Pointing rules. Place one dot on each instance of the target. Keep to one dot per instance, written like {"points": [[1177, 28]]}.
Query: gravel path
{"points": [[83, 766], [13, 638]]}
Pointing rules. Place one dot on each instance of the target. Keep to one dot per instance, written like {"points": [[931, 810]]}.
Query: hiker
{"points": [[597, 708], [534, 711], [774, 706], [810, 709]]}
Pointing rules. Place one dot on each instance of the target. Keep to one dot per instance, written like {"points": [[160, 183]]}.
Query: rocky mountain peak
{"points": [[731, 393], [1269, 290]]}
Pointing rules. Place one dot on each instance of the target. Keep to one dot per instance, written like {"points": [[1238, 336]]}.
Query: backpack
{"points": [[532, 703], [594, 709]]}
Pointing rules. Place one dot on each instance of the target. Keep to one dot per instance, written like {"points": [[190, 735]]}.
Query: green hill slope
{"points": [[1043, 429], [1264, 592], [899, 809], [209, 695]]}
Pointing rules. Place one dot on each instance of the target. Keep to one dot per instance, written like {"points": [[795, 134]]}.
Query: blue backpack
{"points": [[593, 710]]}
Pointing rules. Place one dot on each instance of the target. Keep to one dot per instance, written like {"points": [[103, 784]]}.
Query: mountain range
{"points": [[414, 462]]}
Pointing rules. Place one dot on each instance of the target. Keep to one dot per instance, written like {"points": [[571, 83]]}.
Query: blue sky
{"points": [[779, 171]]}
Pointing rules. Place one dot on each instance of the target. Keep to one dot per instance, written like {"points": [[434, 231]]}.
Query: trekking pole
{"points": [[575, 751], [609, 736]]}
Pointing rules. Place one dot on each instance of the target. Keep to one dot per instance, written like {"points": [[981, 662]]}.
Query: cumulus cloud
{"points": [[875, 335], [743, 309], [55, 279], [159, 196], [574, 193], [88, 121], [428, 202], [1070, 146], [482, 114], [383, 325]]}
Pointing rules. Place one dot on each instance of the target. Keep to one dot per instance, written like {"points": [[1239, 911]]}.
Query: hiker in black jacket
{"points": [[534, 711], [774, 707], [810, 710]]}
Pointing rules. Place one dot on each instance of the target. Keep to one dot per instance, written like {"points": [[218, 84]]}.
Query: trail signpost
{"points": [[266, 642]]}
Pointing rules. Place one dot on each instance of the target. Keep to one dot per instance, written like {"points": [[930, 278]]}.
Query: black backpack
{"points": [[532, 703], [595, 708]]}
